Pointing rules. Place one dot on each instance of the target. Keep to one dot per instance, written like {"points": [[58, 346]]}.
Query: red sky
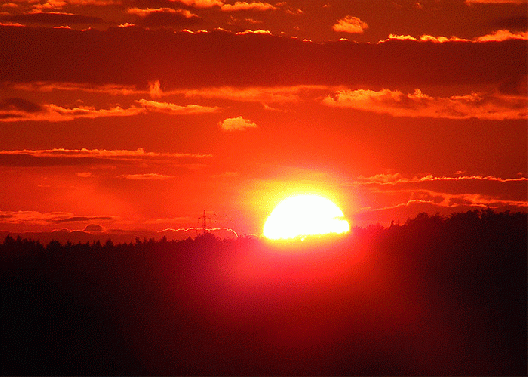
{"points": [[141, 114]]}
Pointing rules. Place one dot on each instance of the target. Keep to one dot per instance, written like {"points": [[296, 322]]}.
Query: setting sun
{"points": [[303, 215]]}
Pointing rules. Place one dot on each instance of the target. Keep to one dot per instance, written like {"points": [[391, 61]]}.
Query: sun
{"points": [[304, 215]]}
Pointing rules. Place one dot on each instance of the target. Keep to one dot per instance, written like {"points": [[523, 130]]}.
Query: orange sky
{"points": [[141, 114]]}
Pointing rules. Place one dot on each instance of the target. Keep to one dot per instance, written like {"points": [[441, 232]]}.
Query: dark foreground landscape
{"points": [[436, 296]]}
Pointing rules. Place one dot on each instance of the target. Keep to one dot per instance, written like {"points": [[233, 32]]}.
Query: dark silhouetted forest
{"points": [[435, 296]]}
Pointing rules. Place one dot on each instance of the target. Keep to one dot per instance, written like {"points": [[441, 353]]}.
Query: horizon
{"points": [[120, 236]]}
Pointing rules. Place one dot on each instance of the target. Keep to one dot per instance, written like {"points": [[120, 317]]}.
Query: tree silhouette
{"points": [[437, 295]]}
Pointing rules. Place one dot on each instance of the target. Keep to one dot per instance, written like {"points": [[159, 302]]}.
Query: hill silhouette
{"points": [[435, 296]]}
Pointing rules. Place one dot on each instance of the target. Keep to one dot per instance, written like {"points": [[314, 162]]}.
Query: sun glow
{"points": [[304, 215]]}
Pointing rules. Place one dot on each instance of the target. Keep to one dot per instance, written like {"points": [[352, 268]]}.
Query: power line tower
{"points": [[204, 221]]}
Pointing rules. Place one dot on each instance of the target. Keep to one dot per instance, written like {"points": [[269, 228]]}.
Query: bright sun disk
{"points": [[304, 215]]}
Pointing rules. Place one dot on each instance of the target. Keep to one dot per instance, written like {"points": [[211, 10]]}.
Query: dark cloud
{"points": [[93, 228], [167, 19], [515, 85], [133, 56], [81, 219], [19, 104], [83, 157], [51, 19], [519, 23], [28, 160]]}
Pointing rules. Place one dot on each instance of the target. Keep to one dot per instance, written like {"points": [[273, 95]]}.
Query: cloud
{"points": [[154, 89], [441, 199], [237, 6], [12, 24], [163, 16], [423, 38], [240, 5], [101, 153], [430, 38], [511, 23], [279, 61], [93, 228], [170, 108], [503, 35], [274, 94], [59, 4], [52, 18], [350, 24], [236, 124], [201, 3], [440, 193], [13, 110], [475, 105], [269, 94], [71, 157], [18, 105], [49, 86], [82, 219], [258, 31], [407, 203], [497, 36], [147, 176], [456, 202], [396, 178], [45, 218], [18, 109]]}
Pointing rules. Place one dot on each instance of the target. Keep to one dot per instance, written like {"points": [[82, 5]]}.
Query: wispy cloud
{"points": [[497, 36], [155, 17], [51, 18], [59, 4], [503, 35], [18, 109], [393, 179], [453, 201], [274, 94], [350, 24], [46, 218], [263, 94], [100, 153], [401, 196], [241, 5], [423, 38], [258, 31], [491, 106], [65, 157], [237, 6], [200, 3], [236, 124], [48, 86], [145, 12], [147, 176], [175, 109]]}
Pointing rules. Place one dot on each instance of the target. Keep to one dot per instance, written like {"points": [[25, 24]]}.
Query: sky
{"points": [[142, 114]]}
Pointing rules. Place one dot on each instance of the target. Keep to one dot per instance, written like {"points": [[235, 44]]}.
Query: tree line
{"points": [[436, 295]]}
